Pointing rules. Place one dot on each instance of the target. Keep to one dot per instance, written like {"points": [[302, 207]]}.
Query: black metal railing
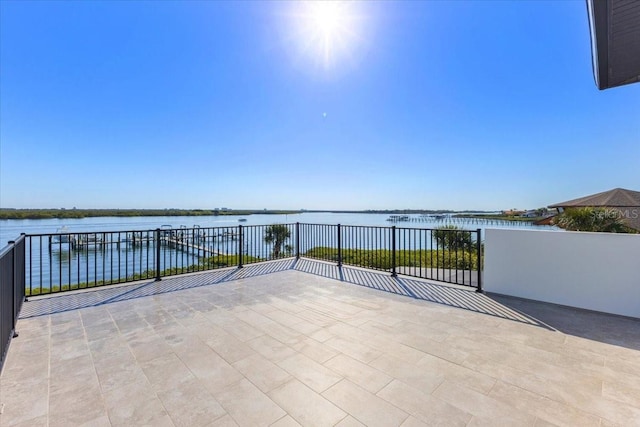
{"points": [[12, 288], [68, 261], [446, 255], [79, 260]]}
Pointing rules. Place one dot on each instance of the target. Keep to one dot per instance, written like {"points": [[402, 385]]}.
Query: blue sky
{"points": [[434, 105]]}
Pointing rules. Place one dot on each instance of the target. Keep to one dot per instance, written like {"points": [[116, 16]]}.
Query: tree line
{"points": [[90, 213]]}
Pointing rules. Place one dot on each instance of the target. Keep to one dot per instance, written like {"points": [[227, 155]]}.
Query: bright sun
{"points": [[327, 31]]}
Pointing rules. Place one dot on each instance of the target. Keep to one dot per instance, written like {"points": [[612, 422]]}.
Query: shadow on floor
{"points": [[595, 326], [449, 295], [40, 306]]}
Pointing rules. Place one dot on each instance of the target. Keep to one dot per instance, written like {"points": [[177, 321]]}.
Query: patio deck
{"points": [[300, 343]]}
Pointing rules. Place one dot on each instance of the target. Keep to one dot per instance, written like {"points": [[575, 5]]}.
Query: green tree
{"points": [[278, 234], [606, 220], [451, 237]]}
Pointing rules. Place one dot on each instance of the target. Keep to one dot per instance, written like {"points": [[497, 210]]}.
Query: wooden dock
{"points": [[185, 245], [460, 220], [91, 242]]}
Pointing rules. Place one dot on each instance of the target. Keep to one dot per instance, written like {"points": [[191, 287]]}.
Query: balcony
{"points": [[306, 342]]}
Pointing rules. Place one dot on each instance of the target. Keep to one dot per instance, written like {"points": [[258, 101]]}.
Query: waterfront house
{"points": [[625, 202]]}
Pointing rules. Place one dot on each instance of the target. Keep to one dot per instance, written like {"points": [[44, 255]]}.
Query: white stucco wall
{"points": [[596, 271]]}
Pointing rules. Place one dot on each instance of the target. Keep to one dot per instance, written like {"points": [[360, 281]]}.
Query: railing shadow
{"points": [[41, 306], [449, 295], [603, 327]]}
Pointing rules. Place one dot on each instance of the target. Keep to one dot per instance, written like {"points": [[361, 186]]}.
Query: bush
{"points": [[606, 220], [382, 259], [454, 238]]}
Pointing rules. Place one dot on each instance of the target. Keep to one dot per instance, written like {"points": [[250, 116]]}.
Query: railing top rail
{"points": [[65, 233], [266, 225], [203, 228], [471, 230], [381, 227], [6, 249]]}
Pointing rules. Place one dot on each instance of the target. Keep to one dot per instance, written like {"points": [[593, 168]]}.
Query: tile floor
{"points": [[303, 344]]}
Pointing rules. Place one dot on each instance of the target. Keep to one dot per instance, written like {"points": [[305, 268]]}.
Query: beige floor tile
{"points": [[321, 335], [353, 348], [414, 422], [315, 350], [166, 372], [135, 404], [148, 345], [226, 345], [305, 405], [68, 349], [442, 359], [109, 347], [188, 404], [117, 372], [80, 407], [482, 407], [284, 318], [101, 330], [286, 421], [214, 372], [542, 407], [397, 350], [364, 406], [622, 393], [365, 376], [42, 421], [24, 402], [428, 409], [241, 330], [430, 345], [248, 405], [459, 374], [68, 377], [349, 421], [271, 348], [421, 379], [225, 421], [263, 373], [542, 423], [282, 333], [310, 372]]}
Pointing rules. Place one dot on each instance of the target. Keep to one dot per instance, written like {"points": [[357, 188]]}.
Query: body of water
{"points": [[110, 252], [11, 229]]}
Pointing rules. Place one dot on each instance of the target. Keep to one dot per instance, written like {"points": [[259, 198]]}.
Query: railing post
{"points": [[479, 255], [393, 251], [240, 241], [24, 259], [13, 287], [297, 240], [158, 243], [339, 246]]}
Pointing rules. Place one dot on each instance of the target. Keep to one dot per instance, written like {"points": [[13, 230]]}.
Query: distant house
{"points": [[626, 202], [512, 212]]}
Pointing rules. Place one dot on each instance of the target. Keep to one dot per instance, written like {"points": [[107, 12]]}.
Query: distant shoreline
{"points": [[9, 213], [96, 213]]}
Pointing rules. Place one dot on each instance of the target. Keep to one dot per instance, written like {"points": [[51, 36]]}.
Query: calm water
{"points": [[11, 229], [55, 264]]}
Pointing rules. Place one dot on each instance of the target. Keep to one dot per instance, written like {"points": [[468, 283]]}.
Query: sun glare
{"points": [[327, 31]]}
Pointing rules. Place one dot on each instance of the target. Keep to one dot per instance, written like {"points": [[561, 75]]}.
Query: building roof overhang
{"points": [[618, 197], [615, 41]]}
